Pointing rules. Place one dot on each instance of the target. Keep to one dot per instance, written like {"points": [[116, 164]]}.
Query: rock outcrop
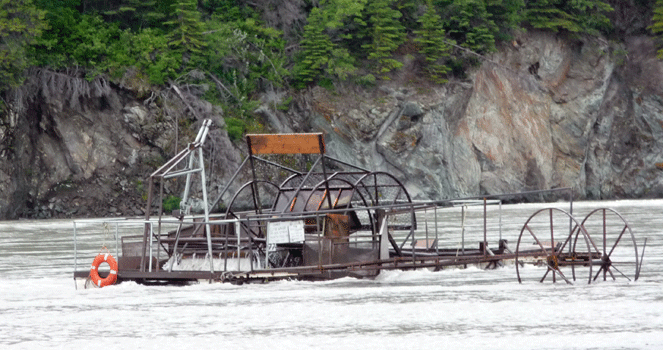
{"points": [[544, 112]]}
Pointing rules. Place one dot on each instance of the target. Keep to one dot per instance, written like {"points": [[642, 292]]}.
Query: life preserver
{"points": [[94, 271]]}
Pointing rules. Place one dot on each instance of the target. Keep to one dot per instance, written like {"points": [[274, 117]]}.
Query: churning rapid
{"points": [[454, 308]]}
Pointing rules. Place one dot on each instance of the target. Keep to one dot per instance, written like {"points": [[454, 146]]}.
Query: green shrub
{"points": [[171, 203], [235, 128], [366, 80]]}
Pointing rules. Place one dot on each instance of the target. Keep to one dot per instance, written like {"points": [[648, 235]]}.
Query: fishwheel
{"points": [[613, 241], [546, 240]]}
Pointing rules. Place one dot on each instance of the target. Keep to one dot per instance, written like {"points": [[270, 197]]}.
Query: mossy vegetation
{"points": [[240, 49]]}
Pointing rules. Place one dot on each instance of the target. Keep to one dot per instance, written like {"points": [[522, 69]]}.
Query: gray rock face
{"points": [[544, 112], [94, 158]]}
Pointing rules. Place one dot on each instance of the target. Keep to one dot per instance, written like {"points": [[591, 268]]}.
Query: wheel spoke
{"points": [[557, 271], [545, 274], [598, 273], [616, 269], [537, 240], [605, 234], [619, 238]]}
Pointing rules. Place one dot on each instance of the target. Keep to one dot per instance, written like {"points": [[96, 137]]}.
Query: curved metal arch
{"points": [[375, 174], [288, 179], [326, 183], [322, 183], [250, 183], [229, 211], [373, 198]]}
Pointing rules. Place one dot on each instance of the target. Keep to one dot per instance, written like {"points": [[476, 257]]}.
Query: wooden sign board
{"points": [[285, 232], [286, 143]]}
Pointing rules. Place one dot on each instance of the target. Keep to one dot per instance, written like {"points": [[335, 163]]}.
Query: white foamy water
{"points": [[451, 309]]}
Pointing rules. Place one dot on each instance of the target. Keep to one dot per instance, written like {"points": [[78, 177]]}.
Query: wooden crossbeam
{"points": [[286, 143]]}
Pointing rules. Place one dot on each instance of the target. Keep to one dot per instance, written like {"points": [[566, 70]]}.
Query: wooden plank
{"points": [[286, 143]]}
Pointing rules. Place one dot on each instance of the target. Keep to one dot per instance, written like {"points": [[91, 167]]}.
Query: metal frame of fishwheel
{"points": [[606, 263], [555, 256]]}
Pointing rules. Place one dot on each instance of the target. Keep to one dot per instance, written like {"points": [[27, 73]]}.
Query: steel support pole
{"points": [[75, 250], [203, 186], [485, 228], [239, 252], [151, 244]]}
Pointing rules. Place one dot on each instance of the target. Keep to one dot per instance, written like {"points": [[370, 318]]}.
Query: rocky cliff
{"points": [[546, 111]]}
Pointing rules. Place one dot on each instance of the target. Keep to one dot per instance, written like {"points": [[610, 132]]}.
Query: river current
{"points": [[472, 308]]}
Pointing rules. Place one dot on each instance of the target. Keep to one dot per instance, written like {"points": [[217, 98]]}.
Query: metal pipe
{"points": [[426, 225], [642, 258], [239, 255], [169, 164], [180, 173], [218, 198], [268, 162], [348, 164], [267, 247], [301, 185], [146, 230], [151, 243], [485, 228], [203, 185], [187, 152], [75, 250], [117, 243], [462, 232], [500, 222], [414, 254], [187, 185], [437, 245]]}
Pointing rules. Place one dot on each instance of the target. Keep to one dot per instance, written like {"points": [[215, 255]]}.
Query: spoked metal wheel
{"points": [[613, 241], [546, 240]]}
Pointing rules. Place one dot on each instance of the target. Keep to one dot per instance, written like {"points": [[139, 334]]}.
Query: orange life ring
{"points": [[94, 272]]}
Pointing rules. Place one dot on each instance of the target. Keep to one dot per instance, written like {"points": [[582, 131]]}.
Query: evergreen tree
{"points": [[322, 55], [507, 15], [137, 14], [471, 25], [578, 16], [20, 24], [316, 48], [432, 43], [386, 35], [657, 23], [187, 30]]}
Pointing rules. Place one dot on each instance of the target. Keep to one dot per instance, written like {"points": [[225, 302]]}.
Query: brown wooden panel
{"points": [[285, 143]]}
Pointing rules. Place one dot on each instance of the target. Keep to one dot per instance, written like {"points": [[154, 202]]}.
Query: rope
{"points": [[105, 235]]}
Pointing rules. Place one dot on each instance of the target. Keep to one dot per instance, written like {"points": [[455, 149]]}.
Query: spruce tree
{"points": [[433, 44], [316, 48], [137, 14], [322, 55], [471, 25], [186, 33], [507, 15], [657, 23], [386, 34], [578, 16]]}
